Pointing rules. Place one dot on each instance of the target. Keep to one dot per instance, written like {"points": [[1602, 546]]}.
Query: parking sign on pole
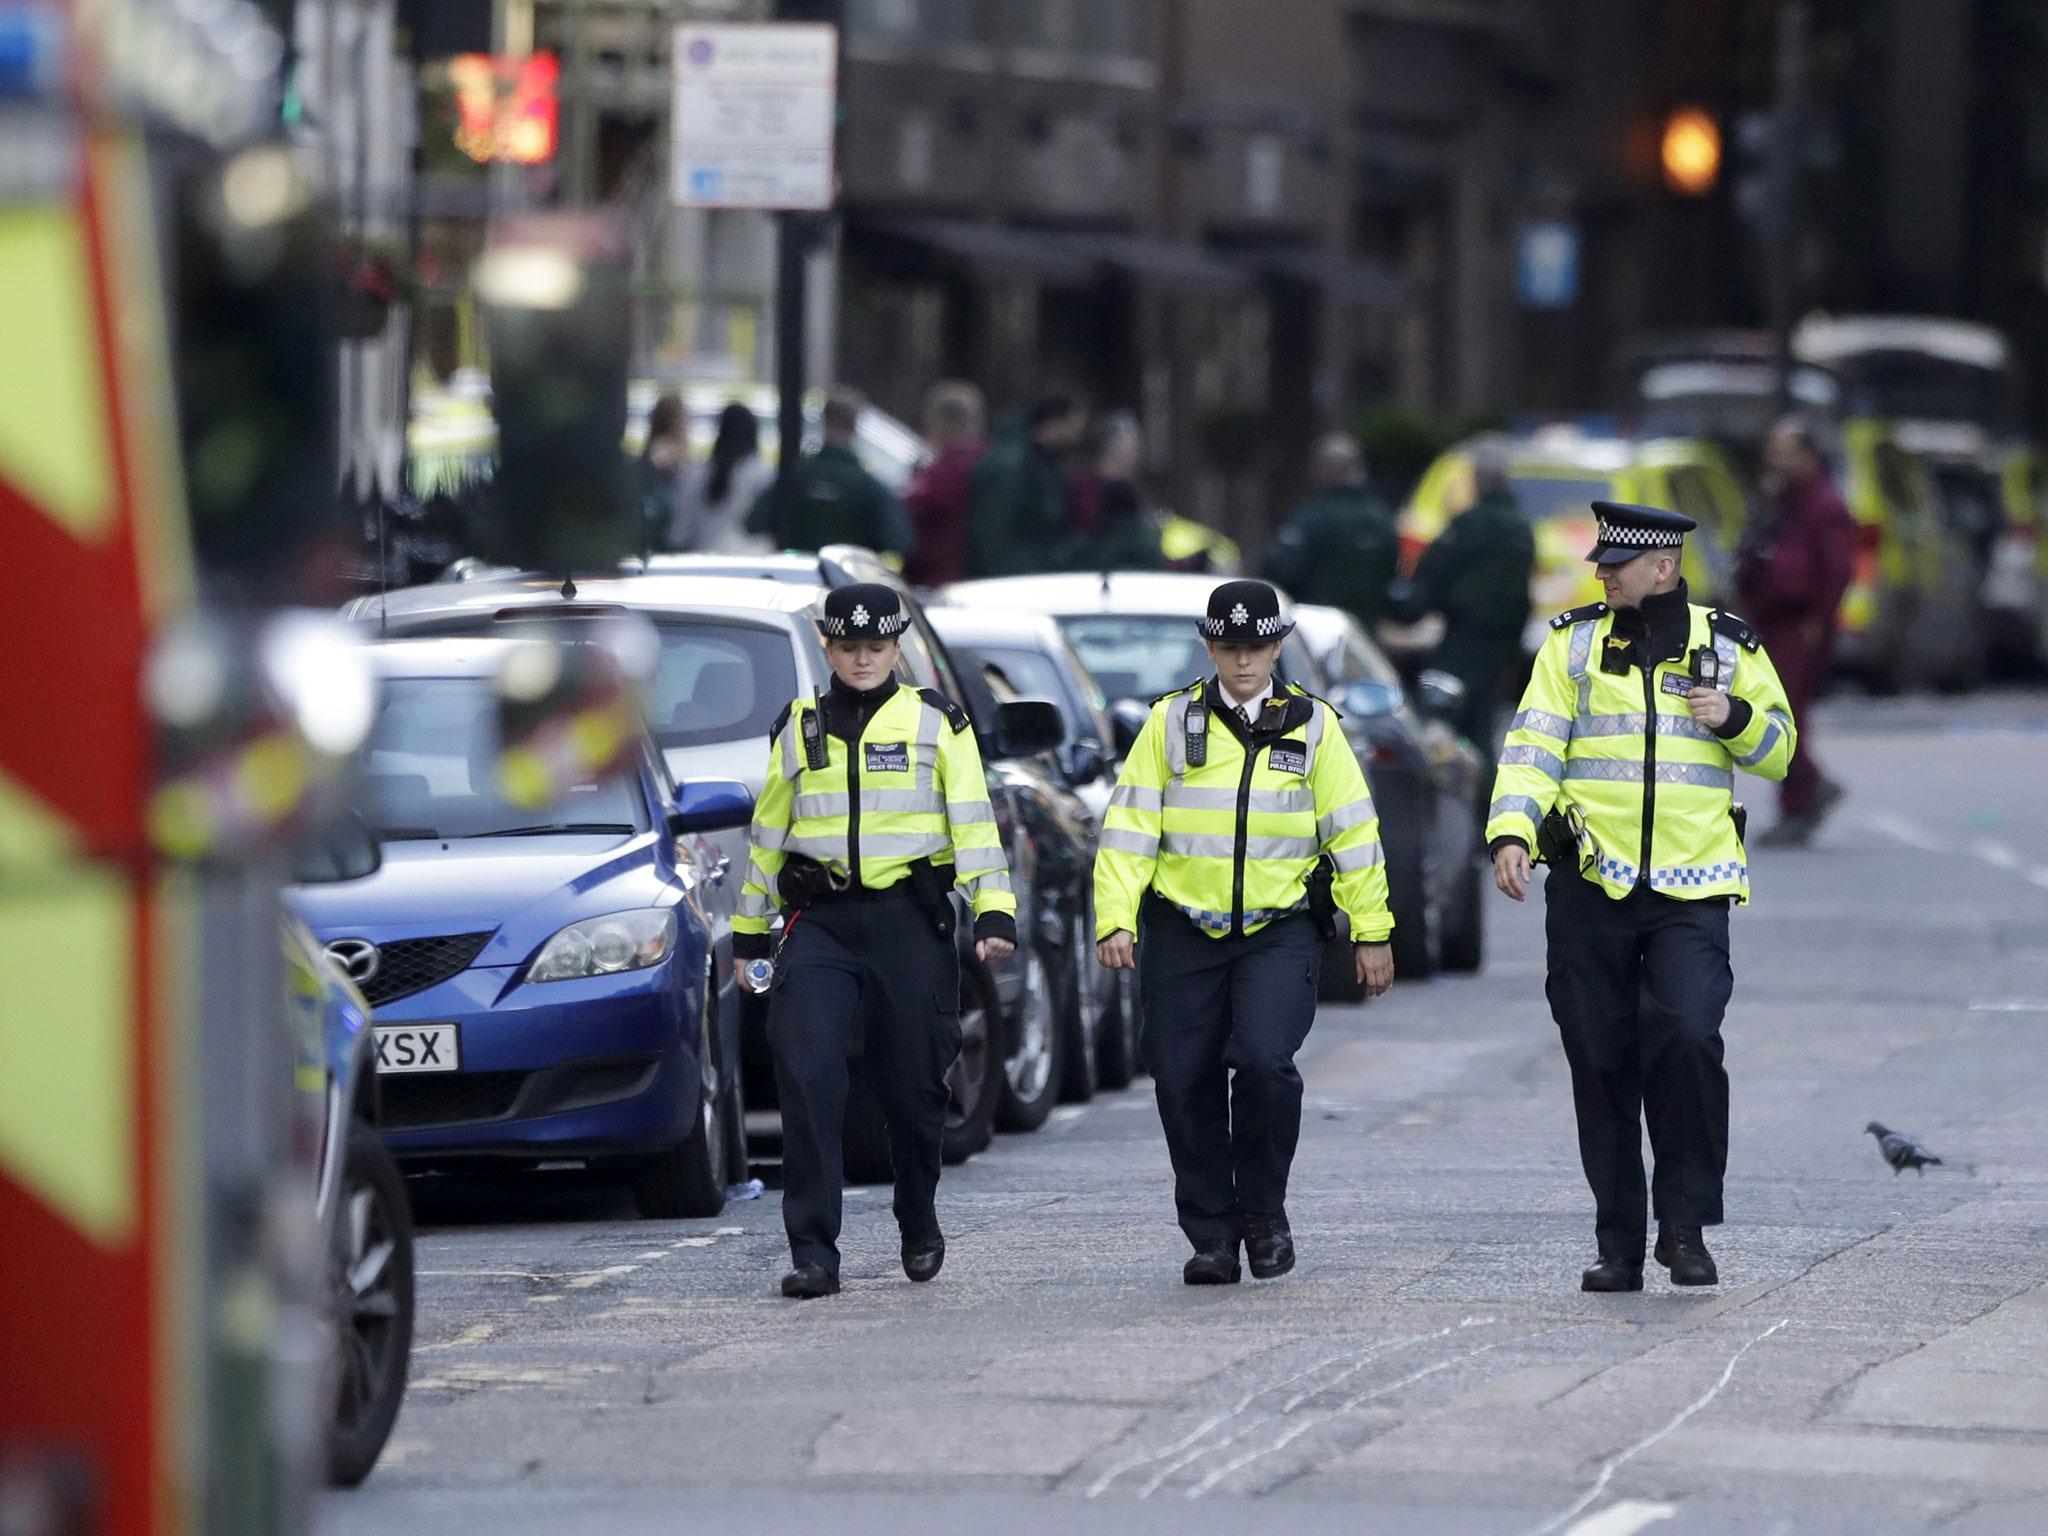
{"points": [[753, 118]]}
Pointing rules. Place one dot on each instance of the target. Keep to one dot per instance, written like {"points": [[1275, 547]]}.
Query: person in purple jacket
{"points": [[1796, 564]]}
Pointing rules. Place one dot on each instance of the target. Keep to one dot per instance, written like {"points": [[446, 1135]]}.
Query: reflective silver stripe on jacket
{"points": [[1136, 797], [1775, 729], [825, 847], [764, 836], [1629, 771], [904, 845], [1176, 726], [928, 724], [1543, 722], [1365, 856], [1532, 757], [825, 803], [971, 861], [1221, 845], [1731, 658], [965, 813], [1639, 724], [1182, 797], [791, 747], [1345, 817], [756, 904], [1515, 805], [1122, 840], [975, 885]]}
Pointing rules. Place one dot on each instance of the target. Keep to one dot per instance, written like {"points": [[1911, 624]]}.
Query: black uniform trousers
{"points": [[1638, 988], [865, 973], [1223, 1019]]}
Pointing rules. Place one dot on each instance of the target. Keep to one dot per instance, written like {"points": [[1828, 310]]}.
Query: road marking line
{"points": [[1628, 1453], [1623, 1519], [730, 1232], [652, 1253], [1911, 833], [599, 1276], [2017, 1005], [476, 1333], [1996, 854]]}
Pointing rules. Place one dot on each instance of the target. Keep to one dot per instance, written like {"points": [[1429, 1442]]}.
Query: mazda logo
{"points": [[358, 958]]}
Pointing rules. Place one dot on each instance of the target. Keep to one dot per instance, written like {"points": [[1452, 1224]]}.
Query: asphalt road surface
{"points": [[1875, 1360]]}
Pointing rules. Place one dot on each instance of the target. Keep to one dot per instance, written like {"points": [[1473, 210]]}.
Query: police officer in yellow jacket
{"points": [[1619, 770], [874, 806], [1238, 799]]}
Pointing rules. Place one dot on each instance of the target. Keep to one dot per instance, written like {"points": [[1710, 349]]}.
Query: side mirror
{"points": [[1127, 717], [1439, 695], [711, 805], [1086, 762], [1027, 727], [1367, 698], [341, 849]]}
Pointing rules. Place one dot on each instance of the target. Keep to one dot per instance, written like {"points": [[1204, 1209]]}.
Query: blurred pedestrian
{"points": [[1227, 930], [661, 472], [1795, 565], [1339, 546], [1619, 773], [1113, 531], [1476, 575], [834, 500], [722, 488], [956, 425], [875, 806], [1018, 518]]}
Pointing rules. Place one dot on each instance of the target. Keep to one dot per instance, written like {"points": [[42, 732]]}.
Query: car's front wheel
{"points": [[690, 1180], [977, 1076], [1116, 1056], [371, 1271]]}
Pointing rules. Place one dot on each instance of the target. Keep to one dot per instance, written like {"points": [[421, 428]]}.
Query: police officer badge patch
{"points": [[1680, 683], [1289, 757], [888, 757]]}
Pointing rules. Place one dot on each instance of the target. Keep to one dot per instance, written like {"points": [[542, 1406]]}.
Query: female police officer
{"points": [[1232, 795], [873, 806]]}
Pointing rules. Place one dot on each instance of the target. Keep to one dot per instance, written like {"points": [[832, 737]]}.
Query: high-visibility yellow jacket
{"points": [[1232, 839], [1654, 787], [912, 788]]}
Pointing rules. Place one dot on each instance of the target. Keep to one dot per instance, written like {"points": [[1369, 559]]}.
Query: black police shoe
{"points": [[807, 1282], [1612, 1275], [923, 1256], [1683, 1251], [1214, 1265], [1268, 1244]]}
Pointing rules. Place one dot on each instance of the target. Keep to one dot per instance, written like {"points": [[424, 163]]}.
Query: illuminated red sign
{"points": [[506, 109]]}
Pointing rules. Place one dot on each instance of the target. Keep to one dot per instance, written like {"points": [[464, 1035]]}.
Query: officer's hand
{"points": [[1709, 707], [993, 949], [739, 974], [1118, 952], [1512, 870], [1375, 967]]}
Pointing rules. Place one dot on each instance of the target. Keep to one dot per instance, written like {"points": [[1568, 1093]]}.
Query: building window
{"points": [[1092, 28], [930, 21]]}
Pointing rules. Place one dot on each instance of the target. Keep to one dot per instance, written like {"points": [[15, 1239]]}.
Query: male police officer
{"points": [[1234, 793], [1619, 770], [874, 805]]}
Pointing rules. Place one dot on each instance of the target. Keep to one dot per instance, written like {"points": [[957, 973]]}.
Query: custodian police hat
{"points": [[1245, 613], [1627, 530], [867, 610]]}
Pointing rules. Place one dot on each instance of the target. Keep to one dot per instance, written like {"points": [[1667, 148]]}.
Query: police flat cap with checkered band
{"points": [[867, 610], [1627, 530], [1245, 613]]}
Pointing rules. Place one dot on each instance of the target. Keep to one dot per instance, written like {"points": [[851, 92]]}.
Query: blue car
{"points": [[546, 987]]}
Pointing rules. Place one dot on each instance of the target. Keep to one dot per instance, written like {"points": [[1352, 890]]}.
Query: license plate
{"points": [[417, 1048]]}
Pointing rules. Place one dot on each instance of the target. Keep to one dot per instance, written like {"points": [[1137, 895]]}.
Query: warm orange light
{"points": [[506, 107], [1692, 151]]}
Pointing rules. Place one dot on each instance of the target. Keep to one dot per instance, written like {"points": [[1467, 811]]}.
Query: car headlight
{"points": [[605, 946]]}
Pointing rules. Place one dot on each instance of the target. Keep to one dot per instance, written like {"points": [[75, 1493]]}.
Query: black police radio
{"points": [[1706, 667]]}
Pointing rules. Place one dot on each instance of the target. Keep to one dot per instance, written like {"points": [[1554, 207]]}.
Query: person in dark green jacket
{"points": [[1476, 575], [1018, 520], [834, 499], [1339, 547]]}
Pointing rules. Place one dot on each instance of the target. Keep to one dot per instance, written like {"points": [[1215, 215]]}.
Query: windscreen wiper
{"points": [[559, 826], [408, 834]]}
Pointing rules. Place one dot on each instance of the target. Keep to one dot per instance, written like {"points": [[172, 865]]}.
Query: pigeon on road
{"points": [[1901, 1150]]}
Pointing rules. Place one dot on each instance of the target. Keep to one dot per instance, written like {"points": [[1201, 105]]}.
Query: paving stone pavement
{"points": [[1876, 1358]]}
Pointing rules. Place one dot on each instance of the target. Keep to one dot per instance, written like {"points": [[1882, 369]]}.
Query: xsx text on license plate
{"points": [[418, 1048]]}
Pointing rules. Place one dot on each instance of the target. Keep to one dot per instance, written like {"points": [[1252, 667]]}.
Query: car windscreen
{"points": [[1542, 497], [719, 682], [431, 768], [1138, 656]]}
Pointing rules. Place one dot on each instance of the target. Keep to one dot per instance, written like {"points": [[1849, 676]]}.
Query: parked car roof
{"points": [[1146, 592], [693, 591]]}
